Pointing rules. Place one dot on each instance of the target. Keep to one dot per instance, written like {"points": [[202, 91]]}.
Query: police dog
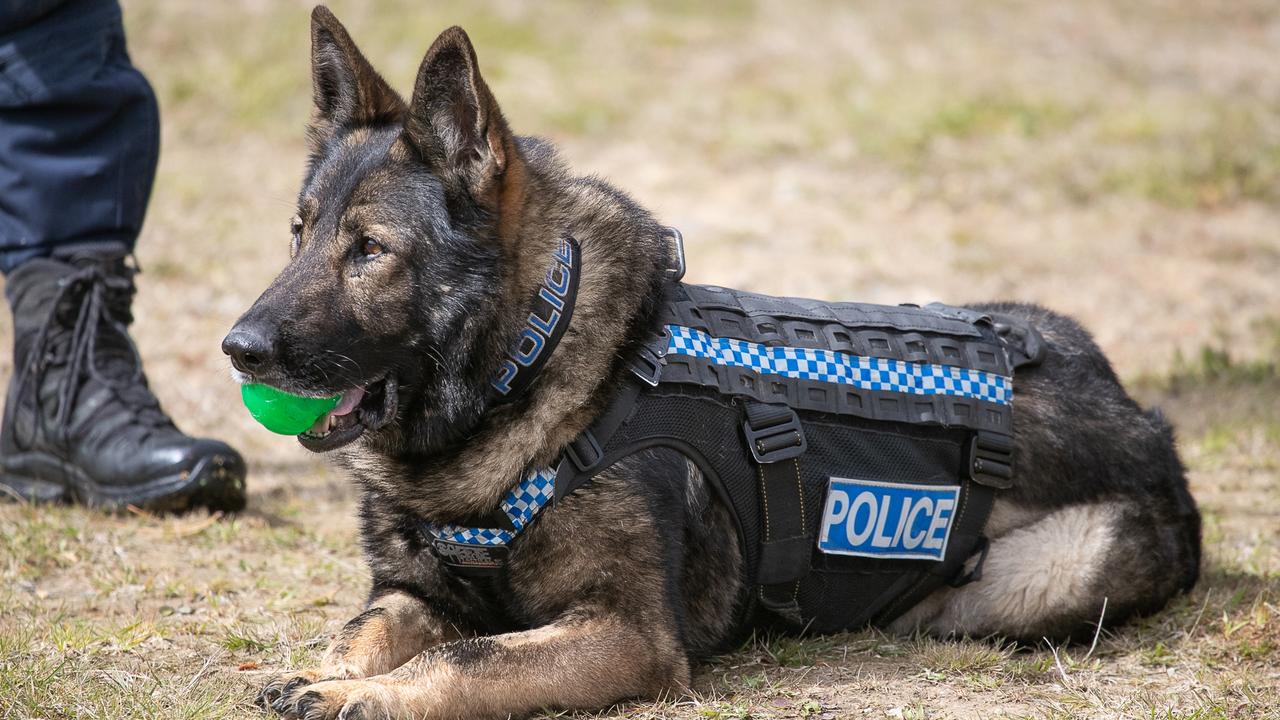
{"points": [[422, 229]]}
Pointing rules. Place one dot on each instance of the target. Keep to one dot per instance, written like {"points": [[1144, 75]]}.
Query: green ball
{"points": [[283, 413]]}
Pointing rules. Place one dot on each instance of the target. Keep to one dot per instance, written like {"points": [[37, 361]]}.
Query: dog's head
{"points": [[396, 246]]}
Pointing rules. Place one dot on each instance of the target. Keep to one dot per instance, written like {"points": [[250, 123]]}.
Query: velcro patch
{"points": [[887, 520]]}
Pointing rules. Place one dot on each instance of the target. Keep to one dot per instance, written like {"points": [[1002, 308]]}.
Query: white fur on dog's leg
{"points": [[1043, 570]]}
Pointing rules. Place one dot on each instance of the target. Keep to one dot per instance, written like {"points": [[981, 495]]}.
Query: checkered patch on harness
{"points": [[867, 373], [520, 505]]}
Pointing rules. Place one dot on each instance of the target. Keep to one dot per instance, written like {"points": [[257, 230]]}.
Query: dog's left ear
{"points": [[455, 123]]}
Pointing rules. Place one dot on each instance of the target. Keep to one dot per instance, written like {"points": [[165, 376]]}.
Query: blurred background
{"points": [[1117, 161]]}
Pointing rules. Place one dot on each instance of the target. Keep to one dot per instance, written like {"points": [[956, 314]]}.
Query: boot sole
{"points": [[216, 482]]}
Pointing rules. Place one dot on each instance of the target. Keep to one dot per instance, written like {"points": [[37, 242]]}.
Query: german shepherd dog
{"points": [[422, 229]]}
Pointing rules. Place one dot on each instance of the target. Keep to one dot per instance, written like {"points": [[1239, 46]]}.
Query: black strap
{"points": [[777, 441], [582, 458]]}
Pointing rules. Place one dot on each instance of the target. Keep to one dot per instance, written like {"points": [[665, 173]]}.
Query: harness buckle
{"points": [[584, 451], [773, 433], [647, 366], [677, 245], [991, 460]]}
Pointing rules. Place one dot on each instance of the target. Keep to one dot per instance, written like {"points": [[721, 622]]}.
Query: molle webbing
{"points": [[892, 364]]}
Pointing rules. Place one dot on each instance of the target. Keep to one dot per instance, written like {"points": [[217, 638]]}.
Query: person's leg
{"points": [[79, 138], [79, 133]]}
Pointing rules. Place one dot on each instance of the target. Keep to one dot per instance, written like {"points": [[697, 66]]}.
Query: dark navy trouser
{"points": [[79, 130]]}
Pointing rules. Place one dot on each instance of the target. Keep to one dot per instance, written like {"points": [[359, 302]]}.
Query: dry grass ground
{"points": [[1118, 161]]}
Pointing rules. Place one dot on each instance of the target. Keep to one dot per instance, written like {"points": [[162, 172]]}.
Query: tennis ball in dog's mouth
{"points": [[283, 413]]}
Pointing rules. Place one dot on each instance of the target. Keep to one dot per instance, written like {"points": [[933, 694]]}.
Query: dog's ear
{"points": [[347, 91], [455, 123]]}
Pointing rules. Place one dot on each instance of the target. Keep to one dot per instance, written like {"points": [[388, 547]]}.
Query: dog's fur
{"points": [[613, 592]]}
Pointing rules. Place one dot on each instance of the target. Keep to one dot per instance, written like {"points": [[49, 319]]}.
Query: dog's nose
{"points": [[252, 350]]}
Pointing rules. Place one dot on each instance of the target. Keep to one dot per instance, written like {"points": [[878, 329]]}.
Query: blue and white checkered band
{"points": [[867, 373], [521, 505]]}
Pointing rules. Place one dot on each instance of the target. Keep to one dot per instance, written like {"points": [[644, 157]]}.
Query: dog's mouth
{"points": [[361, 408]]}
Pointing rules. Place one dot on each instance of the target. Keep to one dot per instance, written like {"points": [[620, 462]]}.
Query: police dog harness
{"points": [[858, 447]]}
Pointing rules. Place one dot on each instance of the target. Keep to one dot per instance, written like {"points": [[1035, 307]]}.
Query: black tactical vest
{"points": [[858, 446]]}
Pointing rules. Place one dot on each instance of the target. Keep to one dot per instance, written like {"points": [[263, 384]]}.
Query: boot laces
{"points": [[103, 298]]}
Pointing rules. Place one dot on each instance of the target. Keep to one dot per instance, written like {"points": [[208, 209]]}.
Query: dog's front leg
{"points": [[393, 628], [581, 661]]}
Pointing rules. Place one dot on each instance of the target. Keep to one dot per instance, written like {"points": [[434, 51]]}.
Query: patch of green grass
{"points": [[1029, 669], [1185, 153], [902, 123], [36, 682], [74, 636], [244, 640], [725, 711], [796, 651], [992, 113], [1258, 650], [810, 708], [1158, 655], [40, 542], [1229, 156], [915, 711], [1215, 712], [956, 658], [1214, 365]]}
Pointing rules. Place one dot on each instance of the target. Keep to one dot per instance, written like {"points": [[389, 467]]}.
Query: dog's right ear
{"points": [[347, 91]]}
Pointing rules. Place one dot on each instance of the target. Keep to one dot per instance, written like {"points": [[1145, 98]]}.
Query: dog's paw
{"points": [[274, 693], [341, 700]]}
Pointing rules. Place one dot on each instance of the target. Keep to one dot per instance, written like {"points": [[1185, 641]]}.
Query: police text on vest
{"points": [[887, 520]]}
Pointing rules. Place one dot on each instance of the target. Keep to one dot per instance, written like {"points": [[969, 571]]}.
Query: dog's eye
{"points": [[370, 247]]}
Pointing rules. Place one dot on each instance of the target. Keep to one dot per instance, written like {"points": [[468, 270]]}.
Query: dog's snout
{"points": [[251, 349]]}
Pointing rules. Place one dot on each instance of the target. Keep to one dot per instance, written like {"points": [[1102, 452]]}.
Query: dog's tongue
{"points": [[350, 399], [347, 405]]}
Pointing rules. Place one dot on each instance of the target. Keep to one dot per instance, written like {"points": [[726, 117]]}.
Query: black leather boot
{"points": [[80, 423]]}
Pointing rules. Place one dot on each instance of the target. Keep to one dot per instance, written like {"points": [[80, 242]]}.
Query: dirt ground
{"points": [[1117, 161]]}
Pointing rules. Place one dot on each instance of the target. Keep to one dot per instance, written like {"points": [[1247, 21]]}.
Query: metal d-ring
{"points": [[677, 242]]}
